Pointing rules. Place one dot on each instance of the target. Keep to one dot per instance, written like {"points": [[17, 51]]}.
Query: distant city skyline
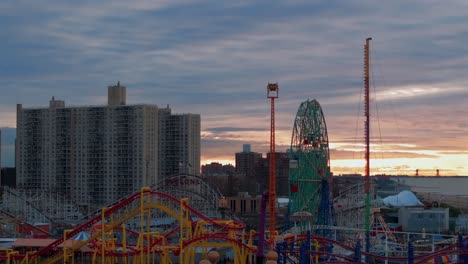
{"points": [[215, 58]]}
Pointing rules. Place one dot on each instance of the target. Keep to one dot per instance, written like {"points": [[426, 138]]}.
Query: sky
{"points": [[215, 58]]}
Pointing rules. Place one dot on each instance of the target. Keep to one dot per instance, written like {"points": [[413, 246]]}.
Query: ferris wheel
{"points": [[309, 170]]}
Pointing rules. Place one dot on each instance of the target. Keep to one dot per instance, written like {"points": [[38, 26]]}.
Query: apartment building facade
{"points": [[93, 155], [180, 144]]}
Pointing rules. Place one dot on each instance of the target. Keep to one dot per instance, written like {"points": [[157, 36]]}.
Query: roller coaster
{"points": [[125, 233], [111, 241], [27, 207]]}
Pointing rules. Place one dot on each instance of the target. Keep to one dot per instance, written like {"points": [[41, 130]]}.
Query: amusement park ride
{"points": [[174, 222], [124, 233], [309, 172]]}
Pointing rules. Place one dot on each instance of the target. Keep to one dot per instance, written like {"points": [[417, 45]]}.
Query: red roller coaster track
{"points": [[233, 226]]}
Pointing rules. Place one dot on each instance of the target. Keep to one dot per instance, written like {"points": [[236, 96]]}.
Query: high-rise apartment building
{"points": [[180, 144], [94, 154]]}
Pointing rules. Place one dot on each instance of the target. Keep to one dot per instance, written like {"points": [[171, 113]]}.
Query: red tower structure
{"points": [[272, 93], [367, 135]]}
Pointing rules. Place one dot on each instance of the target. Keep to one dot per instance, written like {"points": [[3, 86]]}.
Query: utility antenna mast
{"points": [[272, 93], [367, 136]]}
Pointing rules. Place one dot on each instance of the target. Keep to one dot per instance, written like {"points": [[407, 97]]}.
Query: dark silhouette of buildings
{"points": [[246, 164], [8, 177], [221, 176]]}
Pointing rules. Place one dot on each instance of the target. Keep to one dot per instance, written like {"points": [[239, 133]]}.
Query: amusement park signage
{"points": [[179, 181]]}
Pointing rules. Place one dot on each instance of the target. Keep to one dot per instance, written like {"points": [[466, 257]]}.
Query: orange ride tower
{"points": [[272, 93]]}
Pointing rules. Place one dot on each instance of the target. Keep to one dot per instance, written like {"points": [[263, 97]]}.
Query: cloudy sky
{"points": [[216, 57]]}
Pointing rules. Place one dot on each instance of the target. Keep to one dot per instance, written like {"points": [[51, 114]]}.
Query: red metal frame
{"points": [[272, 93]]}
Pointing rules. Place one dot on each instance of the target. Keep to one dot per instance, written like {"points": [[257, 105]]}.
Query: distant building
{"points": [[219, 175], [461, 224], [248, 207], [246, 163], [433, 220], [256, 171], [98, 154], [262, 173], [244, 203], [217, 169]]}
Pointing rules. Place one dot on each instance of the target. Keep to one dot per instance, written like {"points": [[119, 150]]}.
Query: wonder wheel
{"points": [[309, 171]]}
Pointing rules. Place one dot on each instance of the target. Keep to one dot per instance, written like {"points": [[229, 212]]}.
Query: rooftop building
{"points": [[98, 154]]}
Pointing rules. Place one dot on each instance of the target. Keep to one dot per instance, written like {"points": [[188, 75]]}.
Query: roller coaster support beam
{"points": [[308, 245], [357, 252], [462, 245], [261, 228], [410, 253]]}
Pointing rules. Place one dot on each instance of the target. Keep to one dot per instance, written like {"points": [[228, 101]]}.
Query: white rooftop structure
{"points": [[404, 198]]}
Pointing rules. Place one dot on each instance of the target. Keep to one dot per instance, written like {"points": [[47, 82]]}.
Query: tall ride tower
{"points": [[272, 93], [367, 135]]}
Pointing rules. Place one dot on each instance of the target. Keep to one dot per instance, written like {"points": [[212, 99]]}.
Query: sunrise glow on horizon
{"points": [[387, 166], [216, 60]]}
